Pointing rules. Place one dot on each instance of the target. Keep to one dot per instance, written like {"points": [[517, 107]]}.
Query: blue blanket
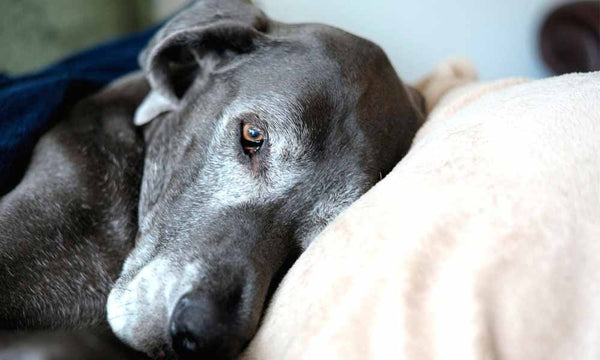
{"points": [[29, 104]]}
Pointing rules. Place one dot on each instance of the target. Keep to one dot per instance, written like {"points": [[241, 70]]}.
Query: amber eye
{"points": [[252, 138]]}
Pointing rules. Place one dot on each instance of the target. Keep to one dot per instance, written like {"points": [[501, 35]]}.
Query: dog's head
{"points": [[258, 134]]}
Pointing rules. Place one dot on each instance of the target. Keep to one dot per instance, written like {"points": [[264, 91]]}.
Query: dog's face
{"points": [[258, 134]]}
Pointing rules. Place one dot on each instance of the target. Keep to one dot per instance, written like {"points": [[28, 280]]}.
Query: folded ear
{"points": [[153, 105], [207, 36]]}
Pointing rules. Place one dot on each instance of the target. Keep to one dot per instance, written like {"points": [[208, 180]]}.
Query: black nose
{"points": [[208, 326]]}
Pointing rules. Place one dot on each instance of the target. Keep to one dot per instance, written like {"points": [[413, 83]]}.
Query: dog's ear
{"points": [[208, 36]]}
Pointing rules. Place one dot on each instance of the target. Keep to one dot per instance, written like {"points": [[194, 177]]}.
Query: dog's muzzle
{"points": [[209, 324]]}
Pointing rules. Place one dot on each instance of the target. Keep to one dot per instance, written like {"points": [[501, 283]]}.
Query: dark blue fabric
{"points": [[28, 104]]}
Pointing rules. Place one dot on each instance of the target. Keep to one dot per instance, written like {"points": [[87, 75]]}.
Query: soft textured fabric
{"points": [[29, 103], [482, 243]]}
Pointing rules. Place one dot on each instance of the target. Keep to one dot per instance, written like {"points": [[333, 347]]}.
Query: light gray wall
{"points": [[499, 36]]}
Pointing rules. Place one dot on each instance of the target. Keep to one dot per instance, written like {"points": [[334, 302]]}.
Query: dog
{"points": [[185, 192]]}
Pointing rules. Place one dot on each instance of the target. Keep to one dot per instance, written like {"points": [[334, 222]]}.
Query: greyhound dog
{"points": [[250, 136]]}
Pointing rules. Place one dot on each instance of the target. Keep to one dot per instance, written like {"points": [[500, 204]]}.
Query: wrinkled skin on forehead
{"points": [[335, 119]]}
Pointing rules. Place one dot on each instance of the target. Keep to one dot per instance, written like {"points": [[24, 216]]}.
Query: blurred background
{"points": [[34, 33], [500, 37]]}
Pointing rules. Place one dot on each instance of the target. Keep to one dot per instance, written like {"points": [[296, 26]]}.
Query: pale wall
{"points": [[500, 36]]}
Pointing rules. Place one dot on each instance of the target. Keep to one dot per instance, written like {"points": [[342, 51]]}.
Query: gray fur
{"points": [[336, 117], [65, 229]]}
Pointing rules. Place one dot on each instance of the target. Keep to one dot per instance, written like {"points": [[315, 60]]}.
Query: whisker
{"points": [[121, 288], [127, 304], [120, 316]]}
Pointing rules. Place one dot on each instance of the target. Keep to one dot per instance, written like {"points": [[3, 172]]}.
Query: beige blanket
{"points": [[483, 243]]}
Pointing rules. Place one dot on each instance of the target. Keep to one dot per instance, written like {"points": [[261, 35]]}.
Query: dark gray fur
{"points": [[212, 221], [67, 227]]}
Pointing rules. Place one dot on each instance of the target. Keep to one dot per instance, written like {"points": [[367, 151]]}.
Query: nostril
{"points": [[183, 339], [189, 343], [191, 323], [185, 343], [203, 325]]}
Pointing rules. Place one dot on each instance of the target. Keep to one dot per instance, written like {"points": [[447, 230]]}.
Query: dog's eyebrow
{"points": [[277, 105], [282, 113]]}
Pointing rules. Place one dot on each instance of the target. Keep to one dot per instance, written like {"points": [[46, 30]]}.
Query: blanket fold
{"points": [[29, 103]]}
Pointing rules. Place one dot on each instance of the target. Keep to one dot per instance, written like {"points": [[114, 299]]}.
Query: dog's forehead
{"points": [[320, 44], [304, 62]]}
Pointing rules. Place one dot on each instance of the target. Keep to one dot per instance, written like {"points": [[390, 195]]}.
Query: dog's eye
{"points": [[252, 139]]}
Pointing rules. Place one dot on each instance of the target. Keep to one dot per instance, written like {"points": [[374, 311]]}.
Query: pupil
{"points": [[253, 133]]}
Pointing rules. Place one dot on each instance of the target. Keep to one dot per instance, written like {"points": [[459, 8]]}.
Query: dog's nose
{"points": [[206, 326]]}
